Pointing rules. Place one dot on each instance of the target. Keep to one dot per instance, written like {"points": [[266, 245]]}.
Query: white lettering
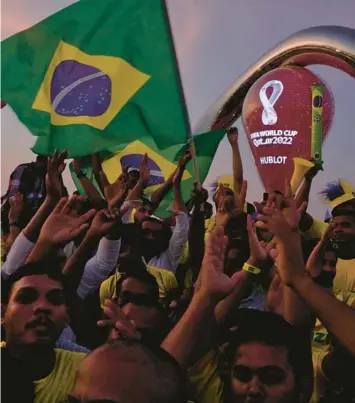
{"points": [[273, 133], [272, 159]]}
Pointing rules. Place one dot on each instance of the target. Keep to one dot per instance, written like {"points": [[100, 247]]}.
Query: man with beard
{"points": [[35, 312], [343, 241], [341, 196]]}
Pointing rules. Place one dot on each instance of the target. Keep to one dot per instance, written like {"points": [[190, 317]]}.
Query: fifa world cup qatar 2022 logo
{"points": [[277, 116]]}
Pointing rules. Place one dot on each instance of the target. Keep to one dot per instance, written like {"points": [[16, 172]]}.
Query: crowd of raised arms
{"points": [[102, 301]]}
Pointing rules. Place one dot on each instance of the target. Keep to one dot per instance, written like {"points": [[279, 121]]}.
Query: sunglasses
{"points": [[330, 263], [269, 376], [145, 300], [155, 233], [145, 210]]}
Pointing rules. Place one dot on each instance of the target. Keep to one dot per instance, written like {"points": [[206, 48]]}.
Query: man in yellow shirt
{"points": [[137, 295], [35, 313], [343, 240]]}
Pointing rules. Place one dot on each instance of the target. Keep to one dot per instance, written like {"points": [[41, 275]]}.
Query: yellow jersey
{"points": [[166, 282], [205, 385], [345, 275], [56, 387]]}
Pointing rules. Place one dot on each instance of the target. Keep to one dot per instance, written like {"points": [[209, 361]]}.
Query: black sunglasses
{"points": [[267, 375]]}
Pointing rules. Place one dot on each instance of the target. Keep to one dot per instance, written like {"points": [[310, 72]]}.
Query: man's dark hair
{"points": [[344, 210], [138, 271], [47, 267]]}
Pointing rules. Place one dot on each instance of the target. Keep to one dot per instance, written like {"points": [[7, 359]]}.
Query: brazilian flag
{"points": [[162, 164], [96, 74]]}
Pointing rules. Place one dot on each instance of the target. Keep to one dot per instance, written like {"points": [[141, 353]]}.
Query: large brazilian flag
{"points": [[97, 74]]}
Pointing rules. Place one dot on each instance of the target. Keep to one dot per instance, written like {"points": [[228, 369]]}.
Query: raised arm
{"points": [[314, 264], [92, 193], [26, 240], [181, 231], [257, 259], [16, 208], [232, 135], [144, 176], [54, 193], [158, 196], [305, 190], [196, 235], [62, 226], [85, 271], [190, 338], [337, 317]]}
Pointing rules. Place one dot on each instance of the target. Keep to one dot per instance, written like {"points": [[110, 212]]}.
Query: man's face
{"points": [[344, 230], [262, 374], [137, 303], [132, 179], [142, 212], [154, 241], [329, 262], [36, 312]]}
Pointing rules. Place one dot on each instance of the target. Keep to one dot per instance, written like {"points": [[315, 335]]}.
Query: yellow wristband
{"points": [[251, 269]]}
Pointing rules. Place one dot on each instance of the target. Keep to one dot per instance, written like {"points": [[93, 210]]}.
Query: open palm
{"points": [[212, 279], [63, 225]]}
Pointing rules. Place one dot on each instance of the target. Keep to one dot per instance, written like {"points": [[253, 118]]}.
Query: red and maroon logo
{"points": [[277, 116]]}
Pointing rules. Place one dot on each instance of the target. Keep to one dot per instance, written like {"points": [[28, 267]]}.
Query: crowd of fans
{"points": [[102, 301]]}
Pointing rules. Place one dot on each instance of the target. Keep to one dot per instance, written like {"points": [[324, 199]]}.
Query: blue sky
{"points": [[217, 40]]}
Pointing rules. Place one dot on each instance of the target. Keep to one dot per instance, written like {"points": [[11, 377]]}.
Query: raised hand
{"points": [[285, 217], [54, 183], [121, 326], [185, 159], [310, 175], [288, 254], [291, 212], [225, 207], [115, 193], [16, 207], [212, 281], [63, 224], [274, 296], [258, 253], [233, 135], [144, 172], [240, 198], [181, 168], [104, 222], [315, 261], [198, 195]]}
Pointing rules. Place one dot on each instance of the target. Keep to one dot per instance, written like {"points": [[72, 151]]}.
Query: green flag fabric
{"points": [[94, 75], [161, 164]]}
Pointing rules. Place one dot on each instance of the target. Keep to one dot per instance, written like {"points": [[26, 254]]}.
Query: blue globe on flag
{"points": [[133, 161]]}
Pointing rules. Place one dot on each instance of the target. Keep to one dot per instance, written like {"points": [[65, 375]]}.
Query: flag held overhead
{"points": [[79, 88], [96, 75]]}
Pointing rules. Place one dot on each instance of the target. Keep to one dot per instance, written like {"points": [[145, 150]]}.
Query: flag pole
{"points": [[185, 111]]}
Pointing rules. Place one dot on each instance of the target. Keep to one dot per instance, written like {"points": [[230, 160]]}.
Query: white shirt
{"points": [[170, 258]]}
